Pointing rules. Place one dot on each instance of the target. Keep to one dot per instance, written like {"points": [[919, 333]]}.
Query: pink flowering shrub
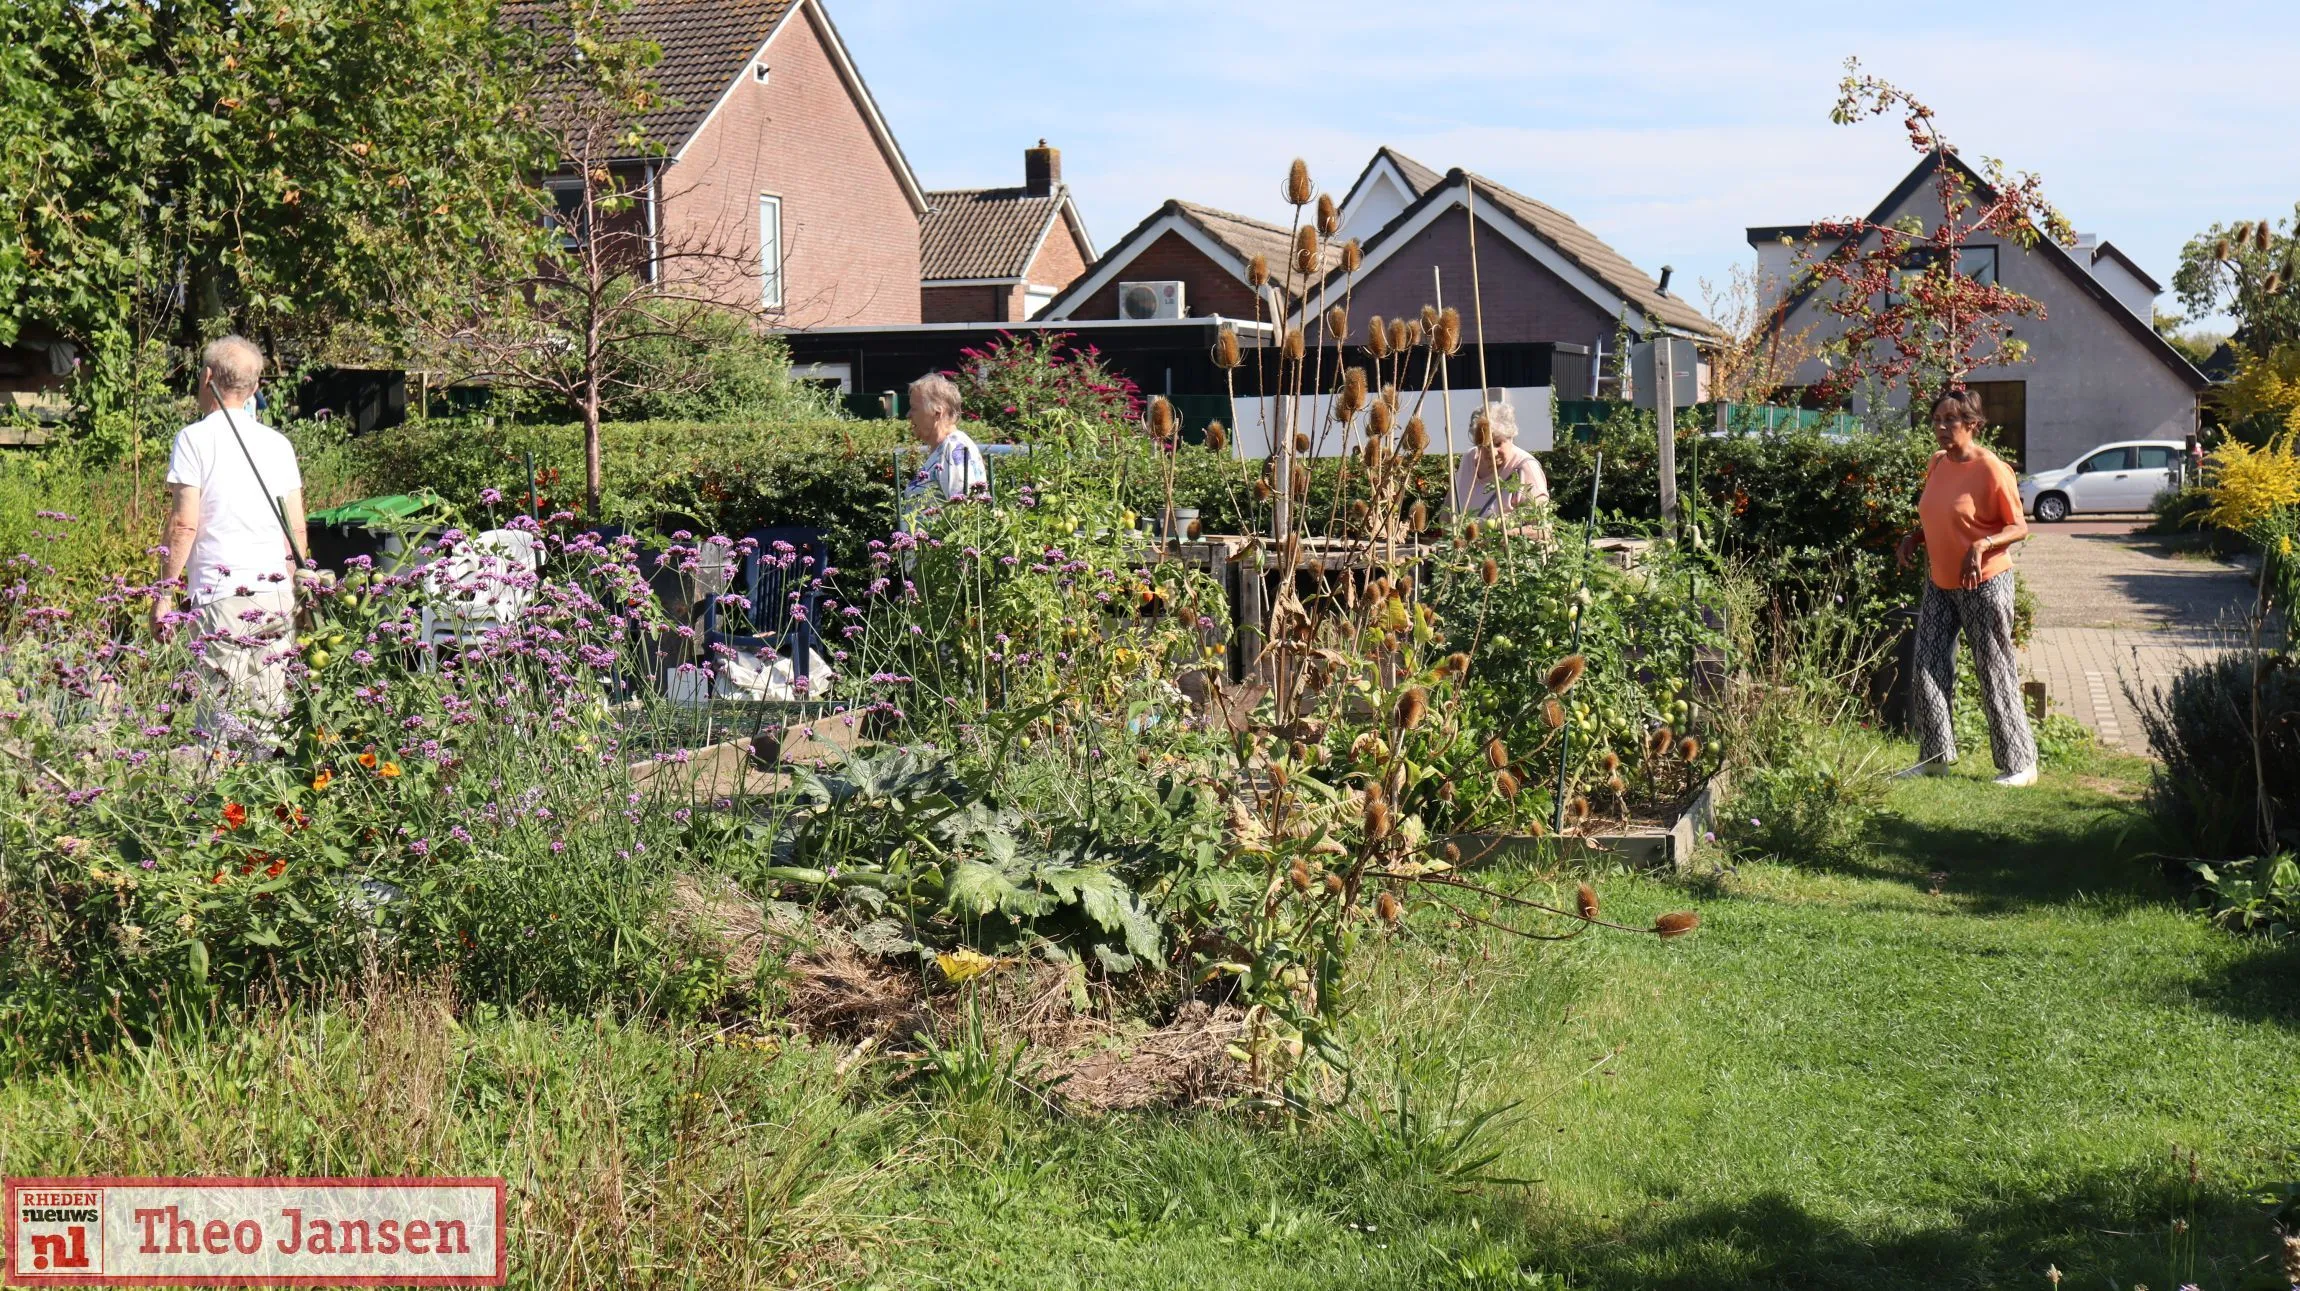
{"points": [[1018, 385]]}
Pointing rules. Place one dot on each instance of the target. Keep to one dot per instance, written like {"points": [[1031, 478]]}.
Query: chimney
{"points": [[1041, 169]]}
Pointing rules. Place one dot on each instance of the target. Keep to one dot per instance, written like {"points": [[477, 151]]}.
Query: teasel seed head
{"points": [[1505, 784], [1258, 272], [1457, 663], [1429, 317], [1386, 905], [1405, 585], [1689, 749], [1381, 418], [1534, 827], [1354, 388], [1352, 256], [1611, 761], [1217, 437], [1552, 713], [1294, 347], [1585, 901], [2220, 250], [1658, 742], [1413, 706], [1301, 483], [1358, 514], [1298, 874], [1377, 819], [1329, 216], [1299, 190], [1567, 672], [1279, 775], [1333, 884], [1377, 337], [1262, 490], [1414, 333], [1452, 851], [1161, 419], [1397, 336], [1418, 519], [1578, 808], [2261, 233], [1226, 355], [1372, 452], [1676, 924], [1301, 443], [1306, 249], [1496, 753], [1446, 792], [1618, 785], [1445, 338], [1196, 528], [1469, 533], [2274, 284], [1490, 572], [1417, 437]]}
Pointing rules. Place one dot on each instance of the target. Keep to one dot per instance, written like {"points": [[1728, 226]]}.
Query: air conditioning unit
{"points": [[1144, 300]]}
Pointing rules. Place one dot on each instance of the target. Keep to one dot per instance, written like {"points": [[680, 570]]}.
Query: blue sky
{"points": [[1665, 128]]}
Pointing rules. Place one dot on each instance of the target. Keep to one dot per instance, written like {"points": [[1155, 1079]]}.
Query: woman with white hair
{"points": [[1496, 476], [954, 468]]}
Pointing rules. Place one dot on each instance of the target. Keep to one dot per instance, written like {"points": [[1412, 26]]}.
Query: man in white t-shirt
{"points": [[227, 496], [954, 467]]}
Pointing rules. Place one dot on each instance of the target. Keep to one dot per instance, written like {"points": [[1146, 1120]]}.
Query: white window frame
{"points": [[770, 251]]}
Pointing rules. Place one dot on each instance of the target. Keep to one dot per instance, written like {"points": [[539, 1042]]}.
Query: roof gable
{"points": [[708, 48], [1552, 237], [2053, 253], [1231, 241]]}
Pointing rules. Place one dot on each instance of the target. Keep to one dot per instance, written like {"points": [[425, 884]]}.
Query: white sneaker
{"points": [[2018, 779]]}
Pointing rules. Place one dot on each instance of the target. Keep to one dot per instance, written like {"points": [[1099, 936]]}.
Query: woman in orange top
{"points": [[1971, 514]]}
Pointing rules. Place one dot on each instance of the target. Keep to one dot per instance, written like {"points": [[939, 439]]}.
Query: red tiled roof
{"points": [[984, 232]]}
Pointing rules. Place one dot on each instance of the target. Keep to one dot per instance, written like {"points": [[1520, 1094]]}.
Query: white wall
{"points": [[1379, 202], [2125, 287], [1251, 437]]}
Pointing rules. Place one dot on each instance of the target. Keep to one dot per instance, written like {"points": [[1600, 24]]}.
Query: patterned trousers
{"points": [[1986, 616]]}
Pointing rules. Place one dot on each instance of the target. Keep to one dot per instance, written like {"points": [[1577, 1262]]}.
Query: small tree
{"points": [[1911, 314], [2252, 270], [1757, 357], [602, 307]]}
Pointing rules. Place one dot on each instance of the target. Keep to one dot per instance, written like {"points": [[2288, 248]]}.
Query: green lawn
{"points": [[1843, 1080]]}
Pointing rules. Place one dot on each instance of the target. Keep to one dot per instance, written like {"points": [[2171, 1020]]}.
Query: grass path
{"points": [[1845, 1080]]}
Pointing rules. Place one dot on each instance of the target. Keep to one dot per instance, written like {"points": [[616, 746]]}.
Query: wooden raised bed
{"points": [[1667, 843]]}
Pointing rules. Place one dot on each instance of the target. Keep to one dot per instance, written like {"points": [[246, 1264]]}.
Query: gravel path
{"points": [[2114, 607]]}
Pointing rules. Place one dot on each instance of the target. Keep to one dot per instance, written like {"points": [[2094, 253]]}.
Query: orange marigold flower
{"points": [[389, 770], [322, 780], [275, 869], [367, 759], [218, 878], [235, 815]]}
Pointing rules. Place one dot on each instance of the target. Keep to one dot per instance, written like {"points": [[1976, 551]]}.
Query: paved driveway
{"points": [[2115, 607]]}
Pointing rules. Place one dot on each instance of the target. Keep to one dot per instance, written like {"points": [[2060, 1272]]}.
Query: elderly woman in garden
{"points": [[1496, 476], [954, 467], [1971, 516]]}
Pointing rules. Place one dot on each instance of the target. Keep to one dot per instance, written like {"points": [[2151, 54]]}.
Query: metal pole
{"points": [[1665, 415], [1581, 580]]}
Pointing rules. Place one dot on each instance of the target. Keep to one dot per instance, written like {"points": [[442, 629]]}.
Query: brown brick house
{"points": [[770, 149], [1205, 250], [998, 255]]}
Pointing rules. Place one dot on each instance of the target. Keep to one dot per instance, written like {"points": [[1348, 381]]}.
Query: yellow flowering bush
{"points": [[2248, 485]]}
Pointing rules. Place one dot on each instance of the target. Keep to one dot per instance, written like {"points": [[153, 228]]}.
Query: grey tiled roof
{"points": [[1597, 259], [983, 232]]}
